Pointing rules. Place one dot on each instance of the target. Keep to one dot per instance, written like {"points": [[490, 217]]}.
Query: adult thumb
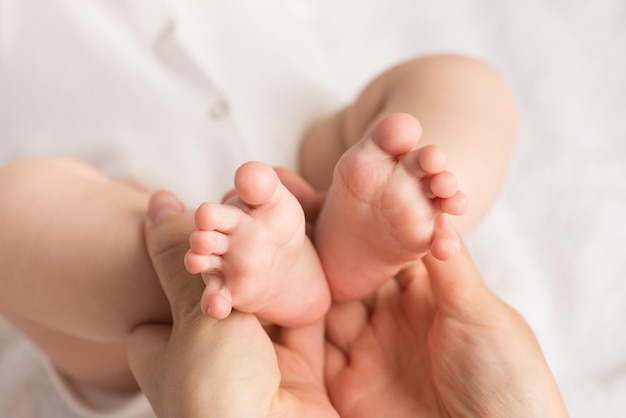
{"points": [[457, 284], [147, 349], [167, 229], [167, 232]]}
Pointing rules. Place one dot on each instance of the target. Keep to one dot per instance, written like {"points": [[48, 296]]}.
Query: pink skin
{"points": [[387, 206], [254, 255]]}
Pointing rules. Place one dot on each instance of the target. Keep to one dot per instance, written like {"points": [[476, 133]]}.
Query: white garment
{"points": [[172, 95]]}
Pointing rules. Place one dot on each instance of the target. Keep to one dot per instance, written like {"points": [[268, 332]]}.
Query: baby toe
{"points": [[445, 243], [432, 159], [444, 185], [197, 263], [396, 134], [455, 205], [256, 183], [208, 242], [216, 306]]}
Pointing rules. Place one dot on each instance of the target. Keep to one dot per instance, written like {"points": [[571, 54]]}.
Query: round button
{"points": [[219, 110]]}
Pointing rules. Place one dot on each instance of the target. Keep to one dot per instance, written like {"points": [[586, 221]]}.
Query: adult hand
{"points": [[201, 367], [436, 342]]}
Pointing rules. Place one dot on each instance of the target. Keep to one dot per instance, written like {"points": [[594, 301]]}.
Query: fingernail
{"points": [[163, 204]]}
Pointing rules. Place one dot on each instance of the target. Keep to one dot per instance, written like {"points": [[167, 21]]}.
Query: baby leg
{"points": [[254, 254], [74, 264], [72, 250], [464, 107], [386, 207]]}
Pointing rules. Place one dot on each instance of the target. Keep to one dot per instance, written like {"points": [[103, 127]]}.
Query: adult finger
{"points": [[308, 343], [167, 232], [147, 349], [456, 282]]}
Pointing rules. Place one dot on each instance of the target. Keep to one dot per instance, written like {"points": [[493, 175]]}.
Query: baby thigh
{"points": [[72, 251]]}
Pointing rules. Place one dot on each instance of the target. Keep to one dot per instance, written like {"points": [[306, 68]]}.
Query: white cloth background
{"points": [[553, 246]]}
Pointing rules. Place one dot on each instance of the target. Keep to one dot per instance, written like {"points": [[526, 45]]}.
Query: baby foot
{"points": [[386, 207], [254, 255]]}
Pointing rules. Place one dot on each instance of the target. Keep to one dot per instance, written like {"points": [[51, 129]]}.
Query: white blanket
{"points": [[553, 246]]}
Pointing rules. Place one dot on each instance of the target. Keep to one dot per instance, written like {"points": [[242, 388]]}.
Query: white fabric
{"points": [[30, 387], [130, 86], [171, 95], [553, 245]]}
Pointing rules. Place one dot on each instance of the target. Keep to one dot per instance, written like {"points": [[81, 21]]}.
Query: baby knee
{"points": [[37, 169]]}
